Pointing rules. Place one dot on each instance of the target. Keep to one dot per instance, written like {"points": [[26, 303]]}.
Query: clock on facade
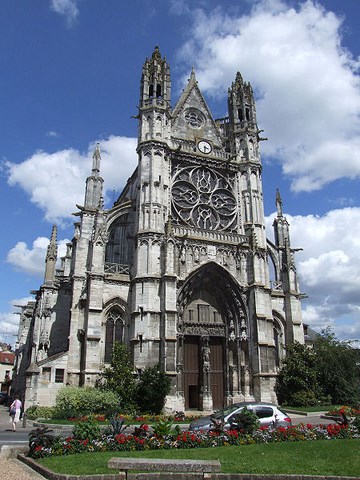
{"points": [[204, 146]]}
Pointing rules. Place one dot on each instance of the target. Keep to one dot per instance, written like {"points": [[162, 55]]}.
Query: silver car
{"points": [[269, 415]]}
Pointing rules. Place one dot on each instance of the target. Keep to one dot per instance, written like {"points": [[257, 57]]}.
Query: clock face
{"points": [[204, 146]]}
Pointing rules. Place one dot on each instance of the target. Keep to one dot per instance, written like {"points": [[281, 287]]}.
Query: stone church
{"points": [[179, 269]]}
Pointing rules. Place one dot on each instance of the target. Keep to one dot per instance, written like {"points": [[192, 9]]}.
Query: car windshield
{"points": [[224, 412]]}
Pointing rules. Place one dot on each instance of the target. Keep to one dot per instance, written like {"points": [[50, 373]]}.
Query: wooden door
{"points": [[191, 372], [217, 371]]}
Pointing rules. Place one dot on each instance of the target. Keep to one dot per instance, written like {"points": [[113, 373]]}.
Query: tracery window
{"points": [[114, 332], [204, 198], [194, 117], [118, 247]]}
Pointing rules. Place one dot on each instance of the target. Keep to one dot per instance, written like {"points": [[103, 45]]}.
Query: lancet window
{"points": [[118, 247], [114, 332]]}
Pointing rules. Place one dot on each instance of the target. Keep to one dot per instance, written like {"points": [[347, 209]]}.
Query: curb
{"points": [[174, 476], [12, 451], [297, 412], [45, 472]]}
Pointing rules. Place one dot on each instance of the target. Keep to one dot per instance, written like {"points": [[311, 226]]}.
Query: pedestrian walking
{"points": [[15, 411]]}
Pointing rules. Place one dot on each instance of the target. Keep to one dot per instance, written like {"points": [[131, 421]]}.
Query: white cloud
{"points": [[9, 324], [67, 8], [329, 268], [9, 321], [306, 82], [32, 260], [55, 182], [52, 133], [118, 161]]}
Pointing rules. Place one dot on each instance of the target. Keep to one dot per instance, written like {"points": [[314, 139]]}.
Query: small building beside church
{"points": [[6, 367], [179, 268]]}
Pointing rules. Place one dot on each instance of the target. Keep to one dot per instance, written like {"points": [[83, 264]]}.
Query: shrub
{"points": [[297, 376], [40, 440], [79, 401], [88, 429], [162, 428], [151, 390], [308, 398], [119, 378], [245, 421], [36, 411]]}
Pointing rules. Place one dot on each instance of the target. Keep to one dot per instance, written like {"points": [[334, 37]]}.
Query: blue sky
{"points": [[70, 77]]}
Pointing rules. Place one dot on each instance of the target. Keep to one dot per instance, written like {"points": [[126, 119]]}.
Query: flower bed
{"points": [[345, 410], [149, 441]]}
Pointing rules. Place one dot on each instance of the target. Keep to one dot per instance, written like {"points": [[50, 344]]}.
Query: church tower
{"points": [[152, 283]]}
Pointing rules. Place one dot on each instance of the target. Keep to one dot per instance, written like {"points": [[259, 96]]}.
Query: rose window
{"points": [[203, 199], [194, 118]]}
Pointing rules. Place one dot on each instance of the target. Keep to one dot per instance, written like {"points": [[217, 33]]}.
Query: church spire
{"points": [[155, 81], [279, 204], [281, 226], [96, 160], [51, 257], [94, 183]]}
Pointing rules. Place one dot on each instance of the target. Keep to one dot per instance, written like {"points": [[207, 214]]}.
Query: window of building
{"points": [[59, 375], [118, 247], [114, 331], [204, 313], [46, 374]]}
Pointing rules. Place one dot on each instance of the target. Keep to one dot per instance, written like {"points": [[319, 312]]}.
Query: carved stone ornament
{"points": [[203, 198], [100, 235], [194, 117], [203, 329]]}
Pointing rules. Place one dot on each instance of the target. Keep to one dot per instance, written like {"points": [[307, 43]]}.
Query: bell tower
{"points": [[149, 283], [155, 94], [244, 146]]}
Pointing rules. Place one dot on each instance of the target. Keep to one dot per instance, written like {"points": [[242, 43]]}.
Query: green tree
{"points": [[151, 390], [337, 368], [297, 381], [119, 378]]}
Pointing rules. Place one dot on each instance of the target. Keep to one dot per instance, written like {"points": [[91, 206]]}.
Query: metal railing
{"points": [[117, 269]]}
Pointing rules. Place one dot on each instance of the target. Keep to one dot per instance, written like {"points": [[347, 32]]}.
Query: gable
{"points": [[192, 120]]}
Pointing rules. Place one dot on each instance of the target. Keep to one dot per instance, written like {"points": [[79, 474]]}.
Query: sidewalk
{"points": [[5, 423]]}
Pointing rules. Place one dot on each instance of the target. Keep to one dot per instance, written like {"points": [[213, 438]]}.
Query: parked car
{"points": [[268, 414], [3, 398]]}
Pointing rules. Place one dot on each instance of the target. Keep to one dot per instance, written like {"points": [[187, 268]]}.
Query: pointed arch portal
{"points": [[212, 345]]}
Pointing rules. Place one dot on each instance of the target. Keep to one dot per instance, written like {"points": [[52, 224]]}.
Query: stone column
{"points": [[207, 401]]}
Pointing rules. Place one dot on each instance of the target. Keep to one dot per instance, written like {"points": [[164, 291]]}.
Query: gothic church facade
{"points": [[179, 269]]}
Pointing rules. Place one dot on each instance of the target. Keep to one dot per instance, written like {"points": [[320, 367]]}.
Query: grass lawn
{"points": [[317, 408], [321, 457]]}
